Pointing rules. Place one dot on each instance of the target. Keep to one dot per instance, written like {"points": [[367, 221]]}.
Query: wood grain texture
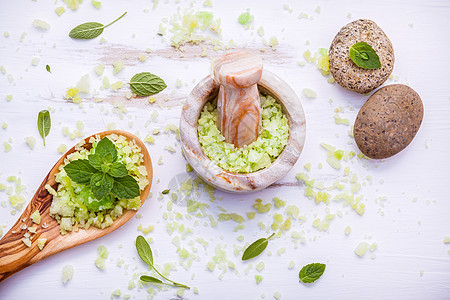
{"points": [[15, 255]]}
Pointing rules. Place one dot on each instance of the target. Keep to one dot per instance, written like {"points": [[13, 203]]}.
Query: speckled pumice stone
{"points": [[346, 73], [388, 122], [237, 81]]}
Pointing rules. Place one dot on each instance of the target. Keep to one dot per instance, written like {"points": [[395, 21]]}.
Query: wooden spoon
{"points": [[15, 255]]}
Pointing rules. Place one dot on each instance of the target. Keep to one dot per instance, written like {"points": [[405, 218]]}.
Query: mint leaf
{"points": [[96, 161], [126, 187], [144, 250], [311, 272], [96, 205], [146, 84], [256, 248], [80, 171], [101, 185], [118, 169], [363, 55], [106, 149]]}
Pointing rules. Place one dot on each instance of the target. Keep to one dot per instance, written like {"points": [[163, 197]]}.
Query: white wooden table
{"points": [[407, 207]]}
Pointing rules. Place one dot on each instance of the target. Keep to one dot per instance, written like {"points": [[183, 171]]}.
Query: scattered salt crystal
{"points": [[67, 273], [361, 249], [39, 24]]}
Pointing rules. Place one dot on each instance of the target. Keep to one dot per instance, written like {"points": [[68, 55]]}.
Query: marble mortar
{"points": [[208, 89]]}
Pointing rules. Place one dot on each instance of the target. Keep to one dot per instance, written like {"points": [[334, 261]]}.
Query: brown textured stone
{"points": [[345, 71], [388, 121]]}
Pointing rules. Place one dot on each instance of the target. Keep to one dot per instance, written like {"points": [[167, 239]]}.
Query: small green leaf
{"points": [[165, 192], [106, 150], [47, 67], [87, 31], [146, 84], [145, 253], [80, 171], [364, 56], [151, 279], [90, 30], [256, 248], [101, 185], [144, 250], [44, 123], [126, 187], [117, 170], [311, 272], [96, 161]]}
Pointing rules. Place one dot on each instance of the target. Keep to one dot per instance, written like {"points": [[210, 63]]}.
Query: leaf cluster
{"points": [[104, 175]]}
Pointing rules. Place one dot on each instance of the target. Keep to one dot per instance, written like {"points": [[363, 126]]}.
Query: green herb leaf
{"points": [[311, 272], [144, 250], [145, 253], [126, 187], [90, 30], [256, 248], [80, 171], [47, 67], [87, 31], [44, 123], [101, 185], [165, 192], [151, 279], [364, 56], [146, 84], [96, 161], [118, 170], [106, 150]]}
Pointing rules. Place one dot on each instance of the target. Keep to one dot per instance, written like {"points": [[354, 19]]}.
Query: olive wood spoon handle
{"points": [[15, 255]]}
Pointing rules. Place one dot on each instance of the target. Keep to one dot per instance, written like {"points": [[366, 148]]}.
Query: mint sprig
{"points": [[104, 175]]}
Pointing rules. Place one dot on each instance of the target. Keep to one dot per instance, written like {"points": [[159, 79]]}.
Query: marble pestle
{"points": [[238, 102]]}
